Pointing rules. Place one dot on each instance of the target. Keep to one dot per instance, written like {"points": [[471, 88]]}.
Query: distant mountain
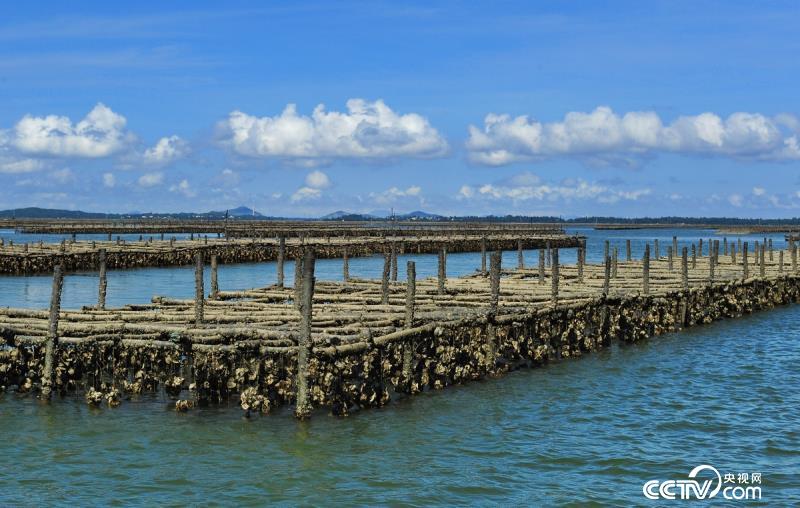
{"points": [[419, 215], [244, 211], [50, 213], [338, 214]]}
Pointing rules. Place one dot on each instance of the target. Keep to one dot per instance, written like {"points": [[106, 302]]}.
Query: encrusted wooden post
{"points": [[549, 253], [541, 266], [606, 250], [739, 244], [387, 262], [408, 348], [646, 269], [198, 289], [733, 253], [685, 268], [606, 275], [710, 264], [281, 259], [724, 245], [103, 283], [614, 261], [394, 261], [345, 266], [483, 256], [581, 260], [214, 277], [761, 268], [52, 332], [770, 250], [669, 258], [442, 276], [794, 258], [554, 276], [780, 262], [520, 257], [494, 301], [700, 247], [628, 250], [674, 245], [745, 268], [656, 250], [303, 407], [298, 281]]}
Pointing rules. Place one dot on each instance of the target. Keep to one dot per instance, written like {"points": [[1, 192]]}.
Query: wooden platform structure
{"points": [[355, 344]]}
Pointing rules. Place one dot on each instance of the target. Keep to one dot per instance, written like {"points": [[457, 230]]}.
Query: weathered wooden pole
{"points": [[281, 259], [685, 268], [51, 345], [628, 252], [394, 261], [770, 250], [710, 264], [548, 258], [581, 260], [494, 301], [606, 250], [794, 257], [520, 257], [103, 283], [675, 245], [724, 245], [411, 290], [554, 271], [745, 268], [387, 262], [345, 266], [739, 244], [442, 275], [762, 267], [614, 261], [214, 277], [733, 253], [298, 281], [198, 289], [606, 275], [669, 258], [541, 266], [780, 262], [657, 250], [700, 247], [646, 269], [694, 257], [483, 256], [303, 405]]}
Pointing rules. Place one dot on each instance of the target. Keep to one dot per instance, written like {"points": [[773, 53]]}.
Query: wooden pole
{"points": [[700, 247], [214, 277], [387, 262], [733, 253], [724, 245], [669, 258], [794, 257], [685, 268], [675, 245], [761, 268], [483, 256], [554, 277], [628, 250], [281, 260], [581, 260], [303, 406], [745, 270], [52, 333], [606, 250], [198, 289], [606, 275], [408, 348], [694, 257], [770, 250], [442, 276], [103, 284], [394, 261], [298, 281], [780, 262], [345, 266], [520, 257], [710, 264], [646, 269], [614, 261], [656, 250]]}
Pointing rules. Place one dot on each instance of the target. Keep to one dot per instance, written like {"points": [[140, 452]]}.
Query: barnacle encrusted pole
{"points": [[494, 300], [214, 277], [51, 343], [102, 283], [554, 277], [646, 269], [199, 294], [442, 272], [408, 323], [303, 404], [281, 259]]}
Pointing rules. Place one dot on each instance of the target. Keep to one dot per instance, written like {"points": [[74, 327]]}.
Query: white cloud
{"points": [[366, 130], [535, 190], [151, 179], [393, 194], [735, 200], [759, 191], [109, 180], [318, 180], [100, 134], [304, 194], [17, 166], [166, 150], [184, 188], [604, 136], [62, 176]]}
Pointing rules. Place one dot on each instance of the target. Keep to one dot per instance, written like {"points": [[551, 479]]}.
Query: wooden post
{"points": [[198, 289], [442, 271], [646, 270], [761, 268], [669, 258], [794, 258], [581, 260], [394, 261], [614, 261], [494, 276], [700, 247], [554, 276], [548, 257], [724, 245], [103, 283], [541, 266], [606, 250], [303, 406], [606, 275], [685, 268], [675, 245], [657, 250], [345, 266], [628, 250], [387, 262], [745, 270], [298, 281], [780, 262], [710, 264], [214, 277], [770, 250], [520, 257], [733, 253], [694, 257], [483, 256], [408, 348], [52, 332], [281, 259], [739, 244]]}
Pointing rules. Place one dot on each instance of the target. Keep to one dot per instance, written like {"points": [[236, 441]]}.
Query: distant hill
{"points": [[50, 213], [419, 215]]}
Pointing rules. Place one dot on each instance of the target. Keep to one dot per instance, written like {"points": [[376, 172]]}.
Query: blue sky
{"points": [[564, 108]]}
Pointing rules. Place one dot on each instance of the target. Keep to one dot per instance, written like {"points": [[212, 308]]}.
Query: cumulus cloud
{"points": [[166, 150], [109, 180], [183, 188], [528, 187], [604, 136], [736, 200], [17, 166], [151, 179], [100, 134], [393, 194], [318, 180], [367, 130], [305, 194]]}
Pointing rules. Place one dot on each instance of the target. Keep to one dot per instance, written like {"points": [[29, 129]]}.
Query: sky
{"points": [[461, 108]]}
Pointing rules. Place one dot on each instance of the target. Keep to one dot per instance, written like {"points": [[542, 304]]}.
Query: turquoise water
{"points": [[584, 431]]}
